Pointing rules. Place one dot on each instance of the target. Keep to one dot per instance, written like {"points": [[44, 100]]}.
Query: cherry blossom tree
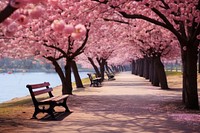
{"points": [[179, 17], [121, 57], [154, 43], [102, 43], [49, 35]]}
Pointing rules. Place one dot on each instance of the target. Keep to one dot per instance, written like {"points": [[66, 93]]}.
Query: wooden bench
{"points": [[110, 76], [51, 101], [94, 81]]}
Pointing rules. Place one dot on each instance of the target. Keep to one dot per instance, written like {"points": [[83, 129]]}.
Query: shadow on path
{"points": [[59, 116]]}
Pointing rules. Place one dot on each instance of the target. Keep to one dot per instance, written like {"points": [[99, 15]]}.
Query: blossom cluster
{"points": [[76, 32]]}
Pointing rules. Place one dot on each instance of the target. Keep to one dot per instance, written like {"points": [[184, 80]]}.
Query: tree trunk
{"points": [[125, 68], [133, 67], [67, 88], [171, 66], [114, 68], [120, 68], [199, 61], [146, 68], [136, 67], [155, 75], [176, 64], [190, 92], [151, 69], [78, 80], [108, 69], [161, 73], [6, 12], [60, 73], [106, 66], [102, 68], [141, 68], [94, 66]]}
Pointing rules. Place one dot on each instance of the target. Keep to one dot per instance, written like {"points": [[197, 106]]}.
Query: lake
{"points": [[14, 85]]}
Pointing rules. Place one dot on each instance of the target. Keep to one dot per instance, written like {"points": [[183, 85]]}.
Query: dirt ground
{"points": [[128, 104]]}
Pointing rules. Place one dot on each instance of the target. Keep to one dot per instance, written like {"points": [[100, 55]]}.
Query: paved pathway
{"points": [[128, 104]]}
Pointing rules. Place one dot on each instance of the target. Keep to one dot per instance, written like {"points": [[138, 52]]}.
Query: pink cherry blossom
{"points": [[12, 27], [53, 2], [36, 12], [22, 20], [80, 29], [7, 21], [69, 28], [58, 25], [76, 36], [15, 15], [8, 34]]}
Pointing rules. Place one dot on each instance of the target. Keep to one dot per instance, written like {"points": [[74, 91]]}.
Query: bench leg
{"points": [[64, 104], [97, 83], [34, 115], [51, 110], [37, 110]]}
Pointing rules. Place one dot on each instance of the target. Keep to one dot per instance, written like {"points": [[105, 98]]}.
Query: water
{"points": [[14, 85]]}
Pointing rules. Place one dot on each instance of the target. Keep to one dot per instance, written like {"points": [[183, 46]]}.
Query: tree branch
{"points": [[193, 38], [166, 25], [119, 21], [169, 26], [104, 2], [139, 16], [6, 12], [77, 52], [56, 48], [166, 6]]}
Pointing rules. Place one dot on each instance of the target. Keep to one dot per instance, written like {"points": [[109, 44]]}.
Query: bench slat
{"points": [[47, 100], [60, 97], [35, 86], [55, 99], [42, 91]]}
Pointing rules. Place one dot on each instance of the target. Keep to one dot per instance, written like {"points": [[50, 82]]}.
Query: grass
{"points": [[85, 81], [16, 103], [173, 73], [175, 79]]}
